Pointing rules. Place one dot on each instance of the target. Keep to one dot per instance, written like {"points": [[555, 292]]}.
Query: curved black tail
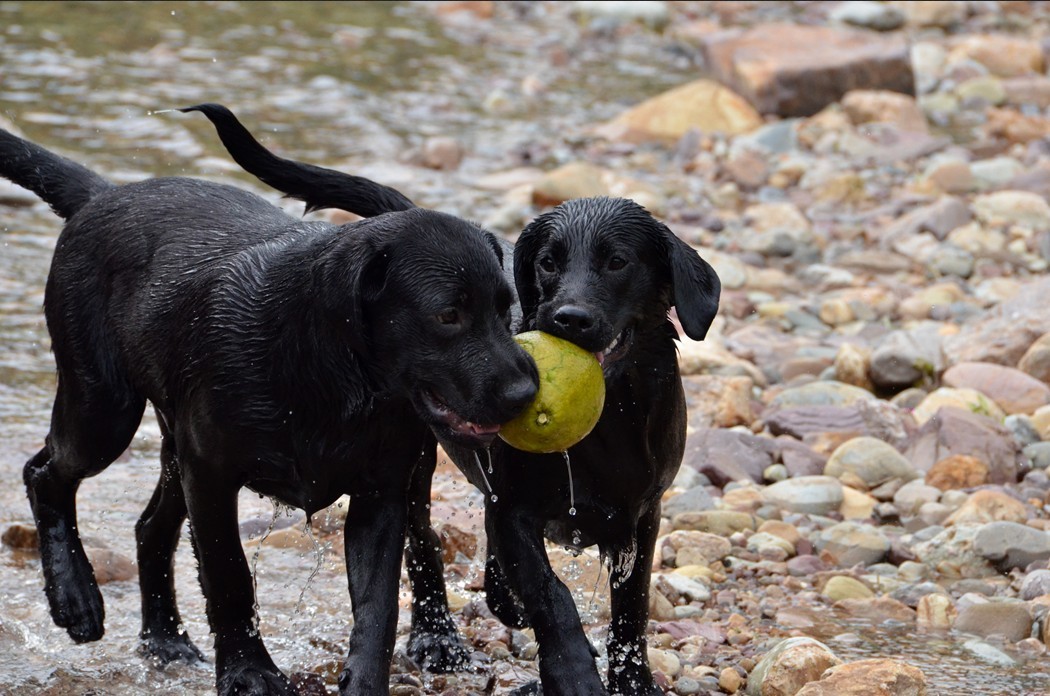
{"points": [[318, 187], [63, 184]]}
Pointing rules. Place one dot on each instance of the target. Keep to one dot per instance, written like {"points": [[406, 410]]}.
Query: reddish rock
{"points": [[1014, 390], [796, 70], [724, 456], [956, 472], [21, 536], [1003, 334], [874, 677], [955, 431]]}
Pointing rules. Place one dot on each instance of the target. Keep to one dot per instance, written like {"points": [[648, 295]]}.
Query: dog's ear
{"points": [[695, 287], [529, 243], [494, 243], [350, 279]]}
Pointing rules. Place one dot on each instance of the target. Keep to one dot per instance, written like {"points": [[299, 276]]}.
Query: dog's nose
{"points": [[519, 393], [573, 318]]}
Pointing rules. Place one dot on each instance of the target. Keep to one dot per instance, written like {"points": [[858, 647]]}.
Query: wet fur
{"points": [[297, 358], [584, 271]]}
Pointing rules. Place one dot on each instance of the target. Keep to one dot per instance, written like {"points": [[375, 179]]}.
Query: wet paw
{"points": [[253, 680], [163, 650], [75, 600], [438, 652]]}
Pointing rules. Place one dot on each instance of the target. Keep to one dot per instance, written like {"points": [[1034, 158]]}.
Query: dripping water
{"points": [[481, 469]]}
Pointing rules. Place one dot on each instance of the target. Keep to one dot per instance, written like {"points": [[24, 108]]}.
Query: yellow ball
{"points": [[568, 402]]}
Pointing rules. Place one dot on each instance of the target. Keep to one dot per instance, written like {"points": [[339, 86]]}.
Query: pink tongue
{"points": [[601, 358], [475, 429]]}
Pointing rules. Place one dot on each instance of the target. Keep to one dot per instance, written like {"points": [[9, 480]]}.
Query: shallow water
{"points": [[349, 85]]}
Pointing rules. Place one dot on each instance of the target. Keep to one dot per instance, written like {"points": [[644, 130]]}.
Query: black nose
{"points": [[519, 393], [573, 318]]}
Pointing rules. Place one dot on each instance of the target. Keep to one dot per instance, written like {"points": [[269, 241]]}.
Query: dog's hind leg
{"points": [[90, 427], [629, 672], [157, 533], [434, 643]]}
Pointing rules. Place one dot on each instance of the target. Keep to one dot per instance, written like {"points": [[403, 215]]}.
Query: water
{"points": [[357, 86]]}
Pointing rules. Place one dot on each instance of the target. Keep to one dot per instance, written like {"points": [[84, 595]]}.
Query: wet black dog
{"points": [[602, 273], [300, 359]]}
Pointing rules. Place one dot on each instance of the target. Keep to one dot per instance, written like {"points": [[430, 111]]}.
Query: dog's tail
{"points": [[63, 184], [318, 187]]}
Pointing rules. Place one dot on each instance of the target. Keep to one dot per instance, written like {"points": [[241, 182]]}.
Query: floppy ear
{"points": [[352, 276], [695, 287], [529, 243], [494, 243]]}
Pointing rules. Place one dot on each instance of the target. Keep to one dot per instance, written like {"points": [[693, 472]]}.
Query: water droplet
{"points": [[494, 498], [572, 511]]}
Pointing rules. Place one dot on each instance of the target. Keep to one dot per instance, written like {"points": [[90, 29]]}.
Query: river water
{"points": [[357, 86]]}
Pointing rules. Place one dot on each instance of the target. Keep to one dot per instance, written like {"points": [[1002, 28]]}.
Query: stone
{"points": [[953, 431], [823, 393], [710, 357], [690, 501], [1036, 360], [877, 610], [935, 13], [719, 401], [110, 566], [664, 661], [1028, 90], [851, 543], [1013, 208], [722, 523], [797, 70], [21, 536], [769, 546], [938, 218], [873, 677], [851, 366], [695, 548], [1012, 544], [960, 398], [956, 472], [1004, 56], [729, 681], [905, 357], [865, 106], [951, 553], [1041, 422], [441, 152], [1010, 619], [856, 505], [817, 495], [935, 612], [653, 13], [584, 180], [951, 260], [841, 587], [704, 105], [989, 505], [879, 16], [789, 666], [869, 460], [989, 653], [1035, 584], [1012, 389], [913, 495], [727, 455]]}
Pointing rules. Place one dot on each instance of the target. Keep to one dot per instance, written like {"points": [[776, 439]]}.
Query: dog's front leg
{"points": [[565, 657], [374, 539], [434, 643], [242, 665], [629, 673]]}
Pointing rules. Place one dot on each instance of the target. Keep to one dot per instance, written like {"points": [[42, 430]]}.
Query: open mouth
{"points": [[457, 425], [616, 349]]}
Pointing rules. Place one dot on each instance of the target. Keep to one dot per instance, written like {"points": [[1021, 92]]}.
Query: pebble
{"points": [[789, 666]]}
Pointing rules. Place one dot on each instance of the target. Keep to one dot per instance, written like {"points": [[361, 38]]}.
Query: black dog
{"points": [[300, 359], [602, 273]]}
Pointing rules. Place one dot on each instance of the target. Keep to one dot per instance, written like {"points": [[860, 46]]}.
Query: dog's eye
{"points": [[616, 263], [449, 316], [547, 264]]}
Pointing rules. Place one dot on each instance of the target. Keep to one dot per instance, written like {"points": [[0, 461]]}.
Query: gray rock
{"points": [[905, 357], [951, 260], [1023, 430], [1010, 619], [1010, 545], [1039, 455], [825, 393], [850, 543], [910, 497], [870, 15], [989, 653], [726, 455], [871, 460], [951, 552], [695, 499], [1003, 334], [817, 495], [1035, 584]]}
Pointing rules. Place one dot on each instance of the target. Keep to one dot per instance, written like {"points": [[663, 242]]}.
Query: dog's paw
{"points": [[248, 679], [75, 601], [161, 651], [437, 652], [533, 688]]}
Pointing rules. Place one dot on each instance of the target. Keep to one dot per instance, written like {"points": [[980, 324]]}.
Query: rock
{"points": [[1013, 390], [951, 553], [938, 218], [989, 505], [719, 401], [935, 13], [21, 536], [960, 398], [989, 653], [110, 566], [956, 472], [877, 610], [956, 431], [456, 542], [951, 260], [665, 661], [870, 461], [770, 546], [726, 455], [935, 612], [817, 495], [1010, 619], [695, 548], [903, 358], [850, 543], [1028, 90], [913, 495], [879, 16], [703, 105], [786, 531], [851, 366], [708, 356], [1013, 208], [722, 523], [1004, 56], [866, 106], [1035, 584], [1041, 422], [653, 13], [1012, 545], [797, 70], [856, 505], [441, 152], [841, 587], [789, 666], [1036, 360], [823, 393], [874, 677], [729, 681], [1038, 454], [584, 180], [692, 500], [1003, 334]]}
